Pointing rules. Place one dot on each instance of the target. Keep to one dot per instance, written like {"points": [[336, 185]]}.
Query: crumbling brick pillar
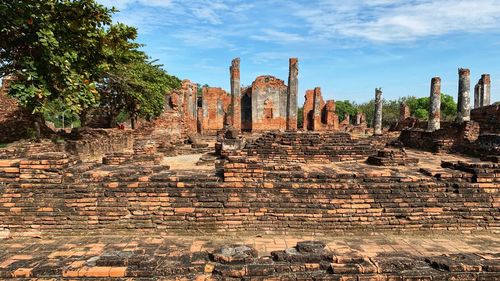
{"points": [[331, 118], [235, 114], [358, 118], [485, 93], [434, 122], [292, 94], [347, 118], [377, 118], [317, 110], [404, 111], [463, 113]]}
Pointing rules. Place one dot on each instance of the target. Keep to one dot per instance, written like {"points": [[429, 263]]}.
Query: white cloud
{"points": [[398, 21], [270, 35]]}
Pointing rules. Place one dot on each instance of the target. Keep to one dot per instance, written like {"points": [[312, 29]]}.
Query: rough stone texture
{"points": [[377, 120], [235, 94], [215, 104], [463, 103], [293, 91], [434, 122], [404, 112], [268, 99]]}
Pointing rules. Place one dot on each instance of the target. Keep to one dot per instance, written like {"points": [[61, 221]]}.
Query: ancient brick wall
{"points": [[488, 118], [269, 100], [215, 106], [142, 199], [52, 192], [93, 144], [452, 137]]}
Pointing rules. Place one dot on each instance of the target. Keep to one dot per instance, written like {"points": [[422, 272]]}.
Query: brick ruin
{"points": [[264, 174]]}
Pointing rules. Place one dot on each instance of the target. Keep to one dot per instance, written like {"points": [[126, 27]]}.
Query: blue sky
{"points": [[348, 48]]}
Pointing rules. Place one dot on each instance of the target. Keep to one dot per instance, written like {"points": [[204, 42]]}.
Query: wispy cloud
{"points": [[389, 21], [270, 35]]}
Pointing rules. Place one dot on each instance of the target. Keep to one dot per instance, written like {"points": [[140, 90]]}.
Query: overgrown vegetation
{"points": [[68, 56]]}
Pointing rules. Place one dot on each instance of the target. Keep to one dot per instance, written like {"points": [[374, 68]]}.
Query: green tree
{"points": [[55, 51], [419, 107], [138, 89], [345, 107], [132, 86]]}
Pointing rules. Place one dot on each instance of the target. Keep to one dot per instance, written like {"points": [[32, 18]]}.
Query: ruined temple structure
{"points": [[214, 110], [264, 105], [156, 203], [270, 105], [318, 115]]}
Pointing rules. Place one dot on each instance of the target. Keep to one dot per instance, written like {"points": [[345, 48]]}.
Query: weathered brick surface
{"points": [[215, 107], [318, 115], [488, 117], [268, 104], [453, 137], [163, 259], [50, 192]]}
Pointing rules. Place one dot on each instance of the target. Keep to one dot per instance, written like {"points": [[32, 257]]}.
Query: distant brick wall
{"points": [[449, 138]]}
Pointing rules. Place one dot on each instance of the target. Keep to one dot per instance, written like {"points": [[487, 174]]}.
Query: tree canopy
{"points": [[69, 53]]}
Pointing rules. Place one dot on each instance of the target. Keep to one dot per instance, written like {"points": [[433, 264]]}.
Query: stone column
{"points": [[317, 110], [292, 94], [485, 94], [235, 117], [377, 118], [463, 113], [477, 94], [434, 122]]}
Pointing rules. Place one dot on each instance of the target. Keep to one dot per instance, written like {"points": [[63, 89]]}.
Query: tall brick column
{"points": [[377, 117], [463, 106], [485, 94], [235, 94], [292, 95], [317, 110], [434, 122]]}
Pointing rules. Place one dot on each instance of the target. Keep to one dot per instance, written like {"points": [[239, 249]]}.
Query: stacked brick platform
{"points": [[309, 147], [51, 192]]}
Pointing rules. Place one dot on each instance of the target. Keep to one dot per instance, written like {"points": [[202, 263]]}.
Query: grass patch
{"points": [[3, 145]]}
